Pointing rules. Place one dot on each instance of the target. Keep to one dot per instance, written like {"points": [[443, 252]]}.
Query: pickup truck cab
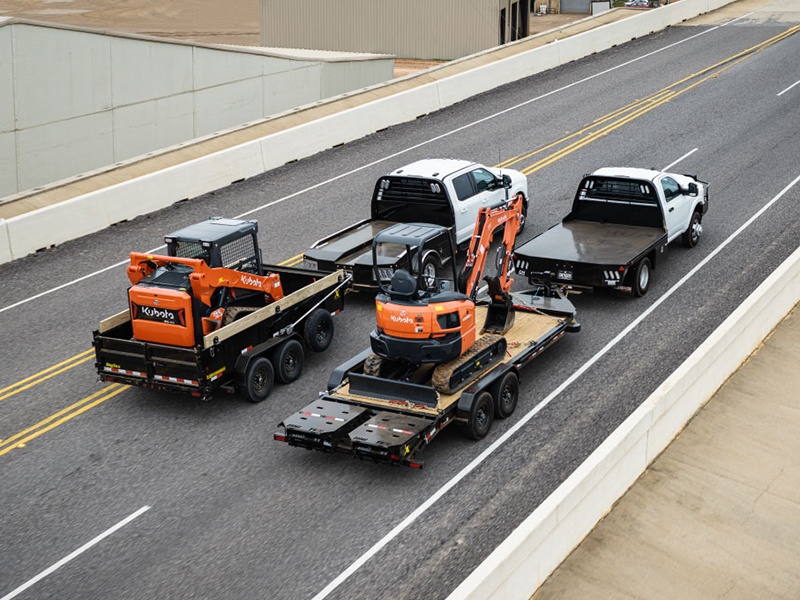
{"points": [[622, 221], [440, 191]]}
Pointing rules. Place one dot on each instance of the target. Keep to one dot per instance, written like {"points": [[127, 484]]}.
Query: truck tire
{"points": [[318, 330], [693, 232], [481, 415], [289, 361], [505, 393], [641, 281], [259, 379], [523, 219], [431, 265]]}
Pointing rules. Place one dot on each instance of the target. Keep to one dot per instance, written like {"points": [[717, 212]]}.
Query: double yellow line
{"points": [[23, 437], [616, 119], [599, 128]]}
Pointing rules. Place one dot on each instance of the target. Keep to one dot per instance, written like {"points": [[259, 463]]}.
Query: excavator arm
{"points": [[489, 220]]}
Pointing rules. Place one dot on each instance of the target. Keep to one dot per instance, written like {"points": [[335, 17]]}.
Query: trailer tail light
{"points": [[279, 437]]}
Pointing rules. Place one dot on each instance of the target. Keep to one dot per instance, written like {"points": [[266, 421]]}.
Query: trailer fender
{"points": [[484, 384]]}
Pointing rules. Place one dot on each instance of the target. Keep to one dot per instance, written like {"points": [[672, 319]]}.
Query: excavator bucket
{"points": [[500, 316]]}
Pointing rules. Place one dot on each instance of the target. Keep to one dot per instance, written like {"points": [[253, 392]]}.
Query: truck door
{"points": [[677, 207], [474, 189]]}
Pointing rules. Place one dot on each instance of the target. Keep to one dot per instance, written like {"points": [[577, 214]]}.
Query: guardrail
{"points": [[517, 568], [45, 227]]}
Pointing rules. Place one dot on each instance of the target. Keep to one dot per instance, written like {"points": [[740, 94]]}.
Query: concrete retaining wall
{"points": [[41, 229], [73, 100], [523, 561]]}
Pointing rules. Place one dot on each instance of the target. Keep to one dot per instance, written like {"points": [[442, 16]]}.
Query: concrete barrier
{"points": [[97, 210], [516, 569]]}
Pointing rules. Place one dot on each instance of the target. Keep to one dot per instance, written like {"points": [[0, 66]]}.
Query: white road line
{"points": [[554, 394], [790, 87], [396, 154], [77, 552], [681, 159]]}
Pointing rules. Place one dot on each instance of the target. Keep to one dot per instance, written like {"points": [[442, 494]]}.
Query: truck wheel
{"points": [[481, 415], [259, 379], [505, 393], [692, 234], [642, 275], [318, 330], [523, 218], [430, 271], [289, 361]]}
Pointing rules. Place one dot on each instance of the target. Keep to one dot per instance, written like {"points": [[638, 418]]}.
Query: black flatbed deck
{"points": [[591, 242]]}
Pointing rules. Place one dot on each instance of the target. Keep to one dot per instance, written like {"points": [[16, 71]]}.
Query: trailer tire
{"points": [[259, 379], [289, 361], [481, 415], [692, 234], [506, 393], [318, 330], [641, 274]]}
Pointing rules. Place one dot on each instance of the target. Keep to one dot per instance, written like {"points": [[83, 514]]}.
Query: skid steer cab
{"points": [[210, 315], [212, 273]]}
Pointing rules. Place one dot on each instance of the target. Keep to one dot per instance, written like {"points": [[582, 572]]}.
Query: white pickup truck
{"points": [[622, 221], [439, 191]]}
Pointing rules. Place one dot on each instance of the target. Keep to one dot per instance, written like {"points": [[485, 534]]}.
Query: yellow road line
{"points": [[46, 374], [19, 440]]}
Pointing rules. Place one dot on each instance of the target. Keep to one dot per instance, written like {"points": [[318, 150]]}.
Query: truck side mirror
{"points": [[507, 181], [693, 189]]}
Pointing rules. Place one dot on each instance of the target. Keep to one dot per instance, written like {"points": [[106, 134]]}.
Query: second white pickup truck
{"points": [[622, 221], [439, 191]]}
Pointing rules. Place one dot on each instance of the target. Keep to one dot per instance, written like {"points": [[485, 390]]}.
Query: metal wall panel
{"points": [[419, 29]]}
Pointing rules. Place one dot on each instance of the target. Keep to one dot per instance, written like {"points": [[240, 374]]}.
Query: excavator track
{"points": [[487, 351]]}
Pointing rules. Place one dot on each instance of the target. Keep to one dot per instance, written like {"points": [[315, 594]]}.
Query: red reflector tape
{"points": [[319, 416]]}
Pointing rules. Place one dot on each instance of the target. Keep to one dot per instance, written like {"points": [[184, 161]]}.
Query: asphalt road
{"points": [[234, 514]]}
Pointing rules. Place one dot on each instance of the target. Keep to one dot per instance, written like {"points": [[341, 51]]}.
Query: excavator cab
{"points": [[420, 318]]}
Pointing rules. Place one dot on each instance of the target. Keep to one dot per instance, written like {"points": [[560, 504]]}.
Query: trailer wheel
{"points": [[318, 330], [481, 415], [642, 277], [505, 393], [259, 379], [289, 361], [692, 234]]}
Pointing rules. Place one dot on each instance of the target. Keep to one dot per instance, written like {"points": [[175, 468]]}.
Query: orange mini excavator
{"points": [[211, 274], [420, 321]]}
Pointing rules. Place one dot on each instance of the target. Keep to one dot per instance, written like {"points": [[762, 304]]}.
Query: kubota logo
{"points": [[397, 319], [158, 313], [247, 280]]}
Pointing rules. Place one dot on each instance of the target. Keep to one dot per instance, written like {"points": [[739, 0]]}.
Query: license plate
{"points": [[564, 275], [311, 265]]}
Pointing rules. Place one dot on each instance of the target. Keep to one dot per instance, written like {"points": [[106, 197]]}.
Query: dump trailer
{"points": [[209, 315]]}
